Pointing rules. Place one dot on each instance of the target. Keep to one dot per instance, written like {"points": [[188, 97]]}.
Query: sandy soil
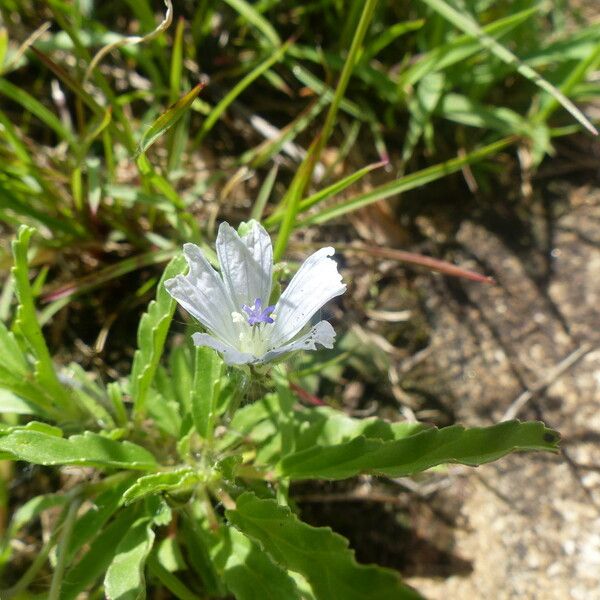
{"points": [[529, 525]]}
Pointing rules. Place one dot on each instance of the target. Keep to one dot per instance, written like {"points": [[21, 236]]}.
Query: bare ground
{"points": [[528, 525]]}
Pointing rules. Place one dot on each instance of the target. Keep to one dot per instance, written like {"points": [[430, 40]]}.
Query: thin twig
{"points": [[132, 39], [555, 373]]}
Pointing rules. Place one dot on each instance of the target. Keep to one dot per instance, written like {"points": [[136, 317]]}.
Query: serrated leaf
{"points": [[322, 426], [249, 573], [224, 555], [27, 324], [28, 391], [88, 394], [164, 412], [181, 370], [152, 332], [44, 428], [88, 449], [158, 510], [418, 452], [124, 578], [321, 556], [160, 482], [11, 355], [168, 119]]}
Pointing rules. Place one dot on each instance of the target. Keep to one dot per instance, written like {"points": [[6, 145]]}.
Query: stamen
{"points": [[256, 314], [237, 317]]}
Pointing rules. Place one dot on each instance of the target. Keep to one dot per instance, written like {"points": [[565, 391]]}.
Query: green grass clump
{"points": [[125, 128]]}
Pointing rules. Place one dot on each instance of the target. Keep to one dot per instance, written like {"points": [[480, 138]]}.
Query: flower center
{"points": [[257, 314], [253, 327]]}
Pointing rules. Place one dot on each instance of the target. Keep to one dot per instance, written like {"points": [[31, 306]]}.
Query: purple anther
{"points": [[256, 314]]}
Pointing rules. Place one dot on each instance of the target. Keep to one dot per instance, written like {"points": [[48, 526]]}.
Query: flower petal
{"points": [[202, 293], [230, 355], [246, 264], [322, 333], [316, 282]]}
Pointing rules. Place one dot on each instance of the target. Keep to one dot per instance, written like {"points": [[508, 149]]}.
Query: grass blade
{"points": [[256, 19], [467, 24], [36, 108], [168, 119], [326, 193], [304, 174], [220, 108], [408, 182]]}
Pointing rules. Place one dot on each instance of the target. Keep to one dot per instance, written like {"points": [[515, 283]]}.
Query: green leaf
{"points": [[458, 50], [168, 119], [44, 428], [322, 426], [32, 509], [15, 378], [221, 107], [197, 539], [403, 184], [124, 579], [466, 23], [168, 554], [158, 511], [253, 17], [182, 375], [151, 336], [87, 449], [36, 108], [461, 109], [291, 199], [387, 36], [166, 577], [164, 412], [325, 193], [421, 106], [418, 452], [205, 390], [89, 395], [97, 557], [249, 573], [27, 325], [264, 193], [23, 515], [88, 525], [319, 555], [155, 483], [11, 403], [3, 47]]}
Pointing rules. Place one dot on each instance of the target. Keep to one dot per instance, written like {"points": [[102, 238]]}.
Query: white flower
{"points": [[233, 305]]}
